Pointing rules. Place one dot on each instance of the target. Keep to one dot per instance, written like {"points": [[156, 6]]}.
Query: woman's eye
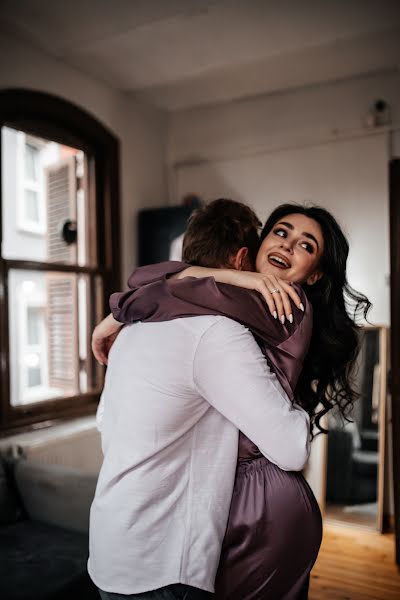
{"points": [[308, 247], [280, 232]]}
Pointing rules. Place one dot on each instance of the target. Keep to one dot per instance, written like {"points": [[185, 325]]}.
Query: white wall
{"points": [[279, 121], [140, 129]]}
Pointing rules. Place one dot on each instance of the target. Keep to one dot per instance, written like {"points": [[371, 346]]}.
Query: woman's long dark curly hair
{"points": [[326, 380]]}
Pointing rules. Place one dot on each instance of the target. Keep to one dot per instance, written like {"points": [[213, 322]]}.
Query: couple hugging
{"points": [[209, 406]]}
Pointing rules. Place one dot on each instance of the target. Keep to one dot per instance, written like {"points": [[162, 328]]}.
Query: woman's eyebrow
{"points": [[305, 233]]}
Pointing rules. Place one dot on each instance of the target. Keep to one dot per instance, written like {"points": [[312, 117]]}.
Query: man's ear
{"points": [[241, 261], [314, 277]]}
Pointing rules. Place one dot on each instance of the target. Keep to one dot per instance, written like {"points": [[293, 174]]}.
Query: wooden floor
{"points": [[366, 516], [355, 565]]}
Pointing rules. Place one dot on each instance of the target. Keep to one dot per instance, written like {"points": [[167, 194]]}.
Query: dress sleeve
{"points": [[157, 298], [151, 273], [122, 304]]}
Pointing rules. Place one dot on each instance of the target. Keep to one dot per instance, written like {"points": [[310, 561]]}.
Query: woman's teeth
{"points": [[278, 261]]}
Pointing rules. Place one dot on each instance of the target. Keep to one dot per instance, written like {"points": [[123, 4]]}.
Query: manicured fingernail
{"points": [[275, 314], [290, 317], [283, 319], [301, 307]]}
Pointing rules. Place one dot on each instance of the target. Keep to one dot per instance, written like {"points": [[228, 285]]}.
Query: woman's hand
{"points": [[277, 292], [103, 337]]}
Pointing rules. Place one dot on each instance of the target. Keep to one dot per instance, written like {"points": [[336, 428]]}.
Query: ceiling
{"points": [[177, 54]]}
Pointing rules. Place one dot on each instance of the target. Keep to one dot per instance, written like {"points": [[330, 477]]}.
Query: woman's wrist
{"points": [[112, 324], [199, 273]]}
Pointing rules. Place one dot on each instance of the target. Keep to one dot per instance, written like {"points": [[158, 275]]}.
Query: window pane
{"points": [[34, 377], [45, 197], [49, 327], [32, 206], [31, 162], [35, 321]]}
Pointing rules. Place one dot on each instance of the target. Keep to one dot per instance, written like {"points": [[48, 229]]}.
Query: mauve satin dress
{"points": [[274, 528]]}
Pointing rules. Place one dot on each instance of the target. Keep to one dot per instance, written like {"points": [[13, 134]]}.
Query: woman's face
{"points": [[292, 250]]}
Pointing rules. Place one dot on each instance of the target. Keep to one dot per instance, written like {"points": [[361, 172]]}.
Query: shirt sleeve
{"points": [[100, 413], [231, 373]]}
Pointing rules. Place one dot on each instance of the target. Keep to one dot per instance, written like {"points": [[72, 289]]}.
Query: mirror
{"points": [[356, 450]]}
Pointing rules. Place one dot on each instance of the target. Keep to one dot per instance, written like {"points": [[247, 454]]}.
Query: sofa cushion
{"points": [[43, 562], [10, 507], [56, 494]]}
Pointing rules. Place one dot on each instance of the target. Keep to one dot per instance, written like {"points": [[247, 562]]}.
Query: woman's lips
{"points": [[278, 261]]}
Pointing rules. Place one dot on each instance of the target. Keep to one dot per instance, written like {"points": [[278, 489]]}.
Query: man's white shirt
{"points": [[176, 395]]}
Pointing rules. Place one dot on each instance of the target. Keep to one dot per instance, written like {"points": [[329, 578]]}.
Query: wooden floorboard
{"points": [[355, 565]]}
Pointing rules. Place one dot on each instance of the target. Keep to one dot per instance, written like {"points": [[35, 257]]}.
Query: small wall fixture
{"points": [[379, 115]]}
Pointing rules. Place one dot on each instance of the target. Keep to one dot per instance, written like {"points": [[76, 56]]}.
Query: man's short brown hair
{"points": [[217, 231]]}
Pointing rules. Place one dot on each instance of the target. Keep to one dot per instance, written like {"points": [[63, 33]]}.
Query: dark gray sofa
{"points": [[44, 518]]}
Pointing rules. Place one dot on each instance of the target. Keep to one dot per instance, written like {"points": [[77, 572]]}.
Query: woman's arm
{"points": [[103, 337], [279, 303], [151, 273], [167, 299]]}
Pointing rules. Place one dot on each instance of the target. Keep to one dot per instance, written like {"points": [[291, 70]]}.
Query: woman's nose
{"points": [[285, 245]]}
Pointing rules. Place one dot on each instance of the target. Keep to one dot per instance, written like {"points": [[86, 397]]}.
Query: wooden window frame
{"points": [[56, 119]]}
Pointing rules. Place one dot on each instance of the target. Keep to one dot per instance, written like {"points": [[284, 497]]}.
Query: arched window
{"points": [[59, 255]]}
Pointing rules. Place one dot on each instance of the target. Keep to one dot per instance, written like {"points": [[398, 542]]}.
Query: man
{"points": [[176, 395]]}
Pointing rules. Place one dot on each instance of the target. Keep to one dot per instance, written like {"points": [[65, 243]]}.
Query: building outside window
{"points": [[30, 183], [33, 364]]}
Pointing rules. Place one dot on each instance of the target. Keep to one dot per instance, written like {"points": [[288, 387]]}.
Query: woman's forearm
{"points": [[279, 304], [103, 338], [277, 293], [220, 275], [151, 273]]}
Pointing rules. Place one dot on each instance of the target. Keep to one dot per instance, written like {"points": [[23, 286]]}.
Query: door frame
{"points": [[394, 220]]}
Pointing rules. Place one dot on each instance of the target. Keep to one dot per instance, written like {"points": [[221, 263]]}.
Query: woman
{"points": [[274, 528]]}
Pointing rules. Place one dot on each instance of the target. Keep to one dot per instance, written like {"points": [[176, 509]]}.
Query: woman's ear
{"points": [[314, 277], [241, 260]]}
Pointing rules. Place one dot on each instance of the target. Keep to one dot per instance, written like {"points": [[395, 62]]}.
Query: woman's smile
{"points": [[277, 260]]}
